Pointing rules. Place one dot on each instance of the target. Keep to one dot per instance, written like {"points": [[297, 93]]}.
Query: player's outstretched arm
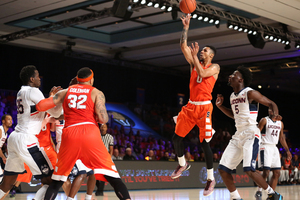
{"points": [[284, 144], [214, 69], [258, 97], [183, 39], [219, 104], [100, 108], [262, 123]]}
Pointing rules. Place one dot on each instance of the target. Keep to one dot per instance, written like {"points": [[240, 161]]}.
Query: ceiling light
{"points": [[143, 2], [195, 16], [206, 19], [169, 9], [200, 17]]}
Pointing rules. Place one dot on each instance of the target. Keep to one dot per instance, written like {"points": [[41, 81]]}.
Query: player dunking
{"points": [[244, 144], [199, 108], [83, 107], [23, 145], [268, 157]]}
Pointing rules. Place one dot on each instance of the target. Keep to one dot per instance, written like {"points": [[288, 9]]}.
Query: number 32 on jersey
{"points": [[77, 101]]}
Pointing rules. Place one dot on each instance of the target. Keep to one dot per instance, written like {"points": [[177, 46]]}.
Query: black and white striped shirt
{"points": [[108, 140]]}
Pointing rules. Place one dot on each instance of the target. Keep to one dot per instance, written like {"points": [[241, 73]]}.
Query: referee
{"points": [[108, 141]]}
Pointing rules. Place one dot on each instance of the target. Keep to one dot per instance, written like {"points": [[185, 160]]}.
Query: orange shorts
{"points": [[26, 177], [52, 155], [83, 142], [191, 115]]}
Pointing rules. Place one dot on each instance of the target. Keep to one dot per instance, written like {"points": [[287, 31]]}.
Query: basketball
{"points": [[187, 6]]}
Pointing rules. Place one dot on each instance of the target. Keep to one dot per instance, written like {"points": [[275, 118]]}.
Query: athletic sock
{"points": [[40, 194], [88, 197], [269, 190], [2, 194], [210, 174], [70, 198], [259, 189], [235, 195], [181, 161]]}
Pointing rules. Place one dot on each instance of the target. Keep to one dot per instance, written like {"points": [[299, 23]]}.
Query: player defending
{"points": [[244, 144], [199, 108], [23, 145], [83, 107], [268, 157]]}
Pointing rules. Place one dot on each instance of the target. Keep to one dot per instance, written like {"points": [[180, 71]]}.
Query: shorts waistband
{"points": [[199, 102], [81, 123]]}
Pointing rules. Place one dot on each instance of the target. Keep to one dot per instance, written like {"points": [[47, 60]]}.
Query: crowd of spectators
{"points": [[129, 145]]}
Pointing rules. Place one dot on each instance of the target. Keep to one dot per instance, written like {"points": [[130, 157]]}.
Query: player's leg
{"points": [[95, 155], [274, 179], [77, 182], [100, 188], [250, 149], [66, 158], [184, 125], [119, 187], [275, 167], [90, 186], [230, 159]]}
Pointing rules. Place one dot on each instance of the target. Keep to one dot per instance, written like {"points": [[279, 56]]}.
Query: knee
{"points": [[176, 139], [276, 174], [266, 173], [249, 173], [222, 172]]}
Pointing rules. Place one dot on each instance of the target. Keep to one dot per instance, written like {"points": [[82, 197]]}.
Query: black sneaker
{"points": [[12, 193], [258, 195], [275, 196], [98, 193]]}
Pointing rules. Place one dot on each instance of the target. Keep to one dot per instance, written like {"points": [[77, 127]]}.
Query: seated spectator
{"points": [[128, 155], [294, 169], [140, 154], [196, 156], [116, 155], [284, 172], [151, 155], [216, 157], [202, 157], [165, 157], [188, 157]]}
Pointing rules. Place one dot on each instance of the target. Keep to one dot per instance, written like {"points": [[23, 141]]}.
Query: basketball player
{"points": [[268, 157], [244, 144], [199, 108], [23, 145], [6, 124], [83, 107]]}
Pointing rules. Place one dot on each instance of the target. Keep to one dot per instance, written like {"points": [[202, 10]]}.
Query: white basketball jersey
{"points": [[245, 114], [273, 129], [29, 119], [3, 137]]}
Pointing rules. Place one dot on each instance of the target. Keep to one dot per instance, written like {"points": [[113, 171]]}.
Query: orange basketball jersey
{"points": [[44, 136], [78, 105], [201, 88]]}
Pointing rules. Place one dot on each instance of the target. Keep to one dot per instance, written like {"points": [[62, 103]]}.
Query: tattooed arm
{"points": [[100, 109], [183, 40]]}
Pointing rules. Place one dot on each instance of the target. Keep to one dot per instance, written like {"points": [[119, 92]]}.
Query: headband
{"points": [[86, 79]]}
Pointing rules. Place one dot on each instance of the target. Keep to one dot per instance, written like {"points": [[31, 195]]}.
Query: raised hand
{"points": [[186, 20], [194, 49], [54, 90], [220, 100]]}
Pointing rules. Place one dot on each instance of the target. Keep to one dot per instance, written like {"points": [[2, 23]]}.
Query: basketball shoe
{"points": [[179, 170], [258, 195], [209, 188], [275, 196]]}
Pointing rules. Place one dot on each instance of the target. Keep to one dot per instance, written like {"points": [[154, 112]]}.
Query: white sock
{"points": [[235, 195], [2, 194], [88, 197], [40, 194], [259, 189], [210, 174], [269, 190], [181, 161], [69, 198]]}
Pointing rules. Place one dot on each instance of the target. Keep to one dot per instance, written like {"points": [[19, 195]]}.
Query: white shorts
{"points": [[268, 157], [80, 168], [24, 148], [244, 145], [1, 174]]}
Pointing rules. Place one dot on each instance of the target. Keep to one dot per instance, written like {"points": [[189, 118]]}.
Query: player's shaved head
{"points": [[84, 72]]}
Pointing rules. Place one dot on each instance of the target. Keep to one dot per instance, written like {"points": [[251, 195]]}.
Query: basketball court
{"points": [[291, 192]]}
